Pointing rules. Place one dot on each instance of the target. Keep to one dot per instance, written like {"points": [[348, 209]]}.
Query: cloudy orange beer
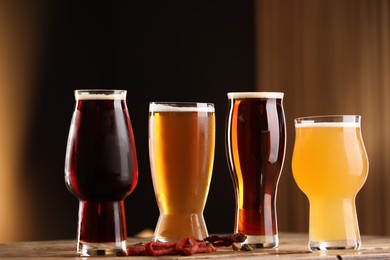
{"points": [[330, 166], [181, 151]]}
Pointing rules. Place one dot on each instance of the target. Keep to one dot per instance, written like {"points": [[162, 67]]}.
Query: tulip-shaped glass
{"points": [[101, 169], [330, 166]]}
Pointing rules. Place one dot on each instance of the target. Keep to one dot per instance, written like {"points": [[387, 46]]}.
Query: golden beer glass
{"points": [[330, 166], [181, 152]]}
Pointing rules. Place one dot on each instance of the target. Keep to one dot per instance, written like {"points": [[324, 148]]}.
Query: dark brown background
{"points": [[157, 51], [329, 57]]}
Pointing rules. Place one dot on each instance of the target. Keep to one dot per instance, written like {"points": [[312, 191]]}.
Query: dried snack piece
{"points": [[136, 249], [185, 246], [228, 240], [158, 248]]}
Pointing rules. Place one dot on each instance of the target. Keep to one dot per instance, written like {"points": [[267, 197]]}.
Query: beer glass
{"points": [[255, 148], [101, 169], [330, 166], [181, 151]]}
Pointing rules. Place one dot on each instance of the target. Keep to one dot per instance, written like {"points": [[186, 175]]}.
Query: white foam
{"points": [[100, 95], [327, 124], [173, 107], [232, 95]]}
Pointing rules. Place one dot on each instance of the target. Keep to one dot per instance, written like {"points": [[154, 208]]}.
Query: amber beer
{"points": [[181, 150], [255, 148]]}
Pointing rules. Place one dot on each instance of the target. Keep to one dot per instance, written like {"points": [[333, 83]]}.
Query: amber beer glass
{"points": [[330, 166], [101, 169], [181, 151], [255, 148]]}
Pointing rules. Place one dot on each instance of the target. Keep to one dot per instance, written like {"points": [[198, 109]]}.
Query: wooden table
{"points": [[292, 246]]}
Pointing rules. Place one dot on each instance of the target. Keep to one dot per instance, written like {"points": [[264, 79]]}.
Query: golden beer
{"points": [[181, 150], [330, 166]]}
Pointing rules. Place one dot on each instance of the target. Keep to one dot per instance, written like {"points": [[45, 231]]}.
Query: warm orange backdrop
{"points": [[19, 38]]}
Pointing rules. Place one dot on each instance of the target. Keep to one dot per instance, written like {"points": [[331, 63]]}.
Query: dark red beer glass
{"points": [[255, 149], [101, 169]]}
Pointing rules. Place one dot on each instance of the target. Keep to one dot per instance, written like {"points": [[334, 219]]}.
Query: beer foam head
{"points": [[180, 107], [232, 95], [327, 124], [100, 94], [328, 121]]}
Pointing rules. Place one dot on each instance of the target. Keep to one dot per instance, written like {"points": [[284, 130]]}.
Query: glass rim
{"points": [[100, 94], [255, 94], [354, 119], [182, 106]]}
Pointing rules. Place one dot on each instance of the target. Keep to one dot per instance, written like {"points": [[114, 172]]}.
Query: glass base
{"points": [[334, 245], [102, 249], [262, 241], [173, 227]]}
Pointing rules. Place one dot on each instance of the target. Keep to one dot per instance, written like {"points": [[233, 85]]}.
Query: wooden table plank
{"points": [[292, 246]]}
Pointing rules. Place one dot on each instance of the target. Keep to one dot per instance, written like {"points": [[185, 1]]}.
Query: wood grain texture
{"points": [[292, 246]]}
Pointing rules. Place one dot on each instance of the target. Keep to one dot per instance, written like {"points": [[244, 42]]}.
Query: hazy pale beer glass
{"points": [[181, 151], [255, 148], [330, 166]]}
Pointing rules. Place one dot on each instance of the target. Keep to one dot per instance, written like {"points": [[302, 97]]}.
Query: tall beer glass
{"points": [[181, 150], [255, 148], [101, 169], [330, 166]]}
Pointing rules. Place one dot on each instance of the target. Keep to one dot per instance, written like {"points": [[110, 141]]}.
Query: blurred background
{"points": [[328, 57]]}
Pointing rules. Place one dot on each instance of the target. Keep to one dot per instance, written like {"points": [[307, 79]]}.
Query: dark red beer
{"points": [[101, 165], [255, 146]]}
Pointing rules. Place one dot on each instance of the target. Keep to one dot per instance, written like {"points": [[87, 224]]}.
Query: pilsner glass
{"points": [[330, 166], [101, 169], [181, 151], [255, 149]]}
